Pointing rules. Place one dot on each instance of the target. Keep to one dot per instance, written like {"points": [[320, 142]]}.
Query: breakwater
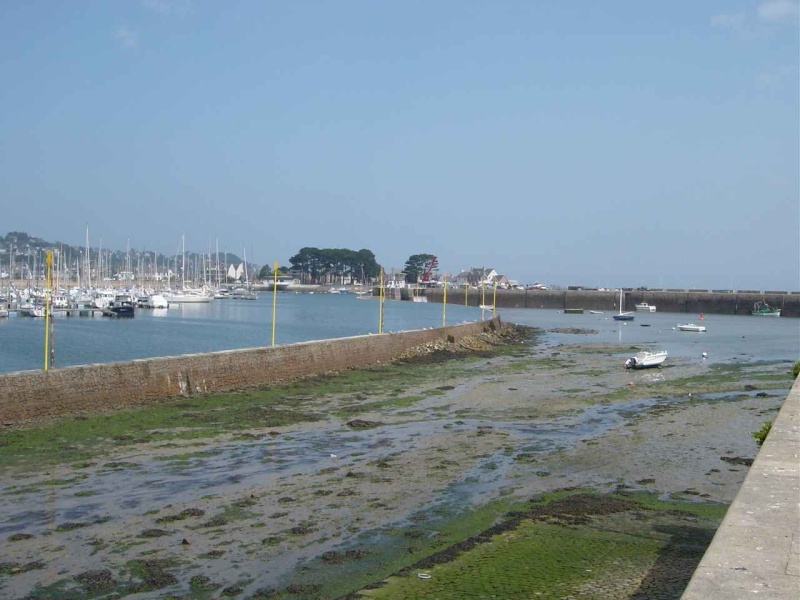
{"points": [[677, 301], [34, 394]]}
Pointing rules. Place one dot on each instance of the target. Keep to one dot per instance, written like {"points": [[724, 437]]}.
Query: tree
{"points": [[268, 272], [415, 266], [328, 265]]}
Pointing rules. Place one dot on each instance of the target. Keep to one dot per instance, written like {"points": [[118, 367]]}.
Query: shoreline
{"points": [[377, 456]]}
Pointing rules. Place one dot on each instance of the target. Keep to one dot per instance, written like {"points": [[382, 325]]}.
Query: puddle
{"points": [[149, 485]]}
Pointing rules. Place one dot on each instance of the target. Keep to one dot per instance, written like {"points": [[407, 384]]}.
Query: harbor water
{"points": [[230, 324]]}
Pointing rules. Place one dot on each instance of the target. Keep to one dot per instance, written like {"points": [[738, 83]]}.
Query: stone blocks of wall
{"points": [[34, 394]]}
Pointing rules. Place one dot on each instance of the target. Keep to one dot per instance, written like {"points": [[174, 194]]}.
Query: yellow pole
{"points": [[380, 304], [494, 300], [444, 300], [466, 292], [274, 298], [48, 261]]}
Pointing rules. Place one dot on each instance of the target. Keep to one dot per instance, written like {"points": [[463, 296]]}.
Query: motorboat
{"points": [[646, 359], [121, 306], [645, 307], [243, 294], [692, 327], [154, 301]]}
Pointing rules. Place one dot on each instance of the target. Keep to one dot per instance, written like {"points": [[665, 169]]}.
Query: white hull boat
{"points": [[622, 316], [155, 301], [187, 298], [645, 307], [645, 360], [692, 327]]}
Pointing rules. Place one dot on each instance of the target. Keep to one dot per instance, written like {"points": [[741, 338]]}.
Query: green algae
{"points": [[73, 440], [632, 540]]}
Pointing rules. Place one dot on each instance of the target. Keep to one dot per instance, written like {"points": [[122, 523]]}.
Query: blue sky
{"points": [[593, 143]]}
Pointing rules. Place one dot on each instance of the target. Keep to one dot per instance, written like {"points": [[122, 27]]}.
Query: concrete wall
{"points": [[756, 550], [32, 394], [679, 301]]}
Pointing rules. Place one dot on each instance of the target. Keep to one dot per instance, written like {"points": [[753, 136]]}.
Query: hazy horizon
{"points": [[624, 143]]}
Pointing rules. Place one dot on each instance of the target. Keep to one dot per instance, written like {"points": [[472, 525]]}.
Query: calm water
{"points": [[228, 324]]}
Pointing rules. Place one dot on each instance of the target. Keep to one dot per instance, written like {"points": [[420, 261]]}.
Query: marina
{"points": [[226, 325]]}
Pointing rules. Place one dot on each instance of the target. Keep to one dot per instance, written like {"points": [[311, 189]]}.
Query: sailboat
{"points": [[186, 295], [622, 316]]}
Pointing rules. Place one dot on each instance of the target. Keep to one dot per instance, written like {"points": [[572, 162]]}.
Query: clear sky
{"points": [[594, 143]]}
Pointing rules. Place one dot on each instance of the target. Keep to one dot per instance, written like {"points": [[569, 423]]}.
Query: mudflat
{"points": [[492, 467]]}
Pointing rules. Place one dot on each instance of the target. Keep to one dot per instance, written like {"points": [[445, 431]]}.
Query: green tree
{"points": [[328, 265], [268, 271], [416, 265]]}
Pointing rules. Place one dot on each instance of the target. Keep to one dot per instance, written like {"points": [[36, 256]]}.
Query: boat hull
{"points": [[646, 360], [692, 328]]}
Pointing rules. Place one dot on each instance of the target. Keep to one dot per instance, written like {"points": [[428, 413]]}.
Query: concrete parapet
{"points": [[33, 394], [756, 550]]}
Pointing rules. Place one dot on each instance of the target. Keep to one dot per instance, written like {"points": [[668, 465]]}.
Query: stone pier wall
{"points": [[678, 301], [33, 394]]}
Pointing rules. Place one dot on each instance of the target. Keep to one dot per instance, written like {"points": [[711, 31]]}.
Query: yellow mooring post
{"points": [[444, 299], [494, 300], [380, 304], [48, 262], [274, 298], [466, 293]]}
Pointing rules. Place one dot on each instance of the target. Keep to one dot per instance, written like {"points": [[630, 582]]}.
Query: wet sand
{"points": [[244, 514]]}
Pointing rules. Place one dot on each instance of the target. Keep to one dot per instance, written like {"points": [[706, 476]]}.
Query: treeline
{"points": [[334, 265]]}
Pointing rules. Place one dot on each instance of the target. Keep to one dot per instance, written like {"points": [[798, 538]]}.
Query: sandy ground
{"points": [[246, 514]]}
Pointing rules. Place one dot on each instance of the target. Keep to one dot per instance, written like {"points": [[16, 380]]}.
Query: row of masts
{"points": [[93, 268]]}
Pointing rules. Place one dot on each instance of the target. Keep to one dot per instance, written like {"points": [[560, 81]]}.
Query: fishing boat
{"points": [[645, 307], [762, 309], [121, 306], [692, 327], [646, 359], [622, 316]]}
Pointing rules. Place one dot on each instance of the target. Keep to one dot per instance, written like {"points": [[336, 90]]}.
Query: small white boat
{"points": [[155, 301], [596, 312], [622, 316], [692, 327], [645, 359], [644, 306], [3, 312]]}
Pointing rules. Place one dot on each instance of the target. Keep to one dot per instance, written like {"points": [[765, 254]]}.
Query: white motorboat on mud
{"points": [[645, 359]]}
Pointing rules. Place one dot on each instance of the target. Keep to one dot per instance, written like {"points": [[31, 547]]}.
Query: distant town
{"points": [[22, 258]]}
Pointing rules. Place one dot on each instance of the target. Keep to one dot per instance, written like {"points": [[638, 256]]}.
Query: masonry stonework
{"points": [[56, 392]]}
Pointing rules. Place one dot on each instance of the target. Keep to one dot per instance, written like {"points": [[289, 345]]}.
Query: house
{"points": [[477, 277]]}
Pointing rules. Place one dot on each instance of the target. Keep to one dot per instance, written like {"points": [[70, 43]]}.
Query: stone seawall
{"points": [[34, 394], [679, 301]]}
